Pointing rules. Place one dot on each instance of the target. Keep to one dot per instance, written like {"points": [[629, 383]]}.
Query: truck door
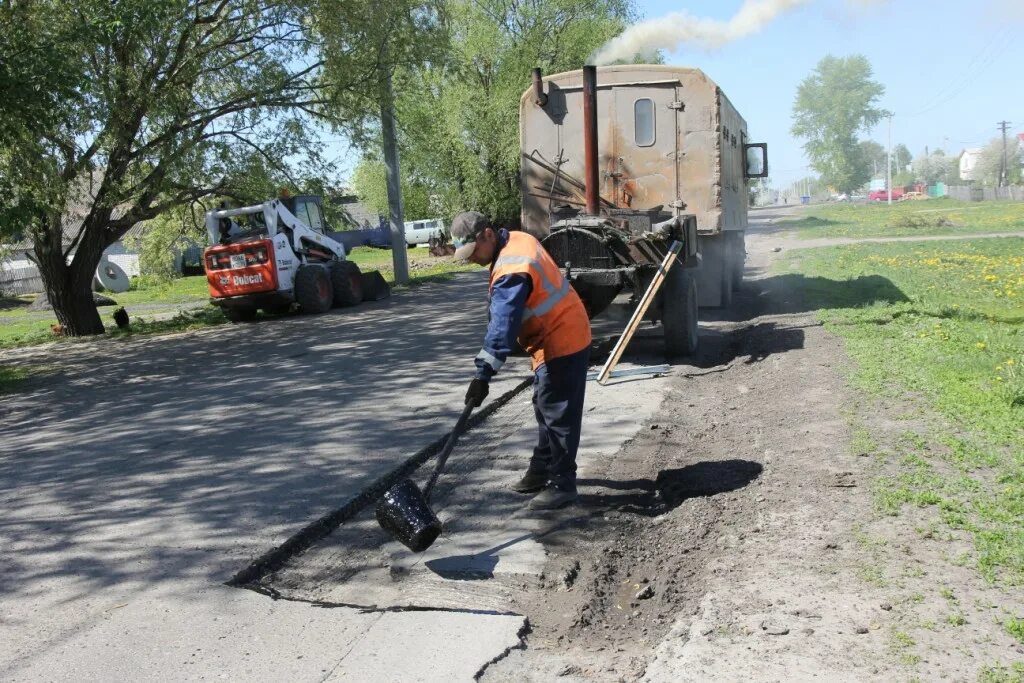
{"points": [[644, 150]]}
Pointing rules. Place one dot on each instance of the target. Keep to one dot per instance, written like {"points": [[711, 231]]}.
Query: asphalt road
{"points": [[138, 476]]}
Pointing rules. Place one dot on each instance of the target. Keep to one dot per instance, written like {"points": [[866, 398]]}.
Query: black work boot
{"points": [[531, 482], [553, 497]]}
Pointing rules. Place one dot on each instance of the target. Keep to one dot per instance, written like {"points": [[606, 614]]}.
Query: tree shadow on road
{"points": [[184, 457]]}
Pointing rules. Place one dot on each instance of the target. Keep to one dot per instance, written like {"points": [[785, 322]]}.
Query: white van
{"points": [[420, 232]]}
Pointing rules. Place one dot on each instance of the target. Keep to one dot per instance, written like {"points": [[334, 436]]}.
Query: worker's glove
{"points": [[477, 392]]}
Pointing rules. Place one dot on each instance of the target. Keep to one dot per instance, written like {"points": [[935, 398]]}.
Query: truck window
{"points": [[643, 122]]}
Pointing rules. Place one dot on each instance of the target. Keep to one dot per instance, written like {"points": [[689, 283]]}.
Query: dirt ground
{"points": [[735, 538]]}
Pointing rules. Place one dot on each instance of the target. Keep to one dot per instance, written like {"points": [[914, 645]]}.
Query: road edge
{"points": [[276, 557]]}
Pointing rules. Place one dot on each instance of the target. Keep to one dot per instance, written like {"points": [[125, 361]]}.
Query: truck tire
{"points": [[728, 272], [347, 283], [239, 315], [738, 262], [679, 312], [313, 289]]}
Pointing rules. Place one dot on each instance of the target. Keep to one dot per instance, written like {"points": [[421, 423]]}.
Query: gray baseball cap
{"points": [[465, 227]]}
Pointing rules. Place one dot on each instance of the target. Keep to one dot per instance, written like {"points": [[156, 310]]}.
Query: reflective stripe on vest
{"points": [[555, 322], [490, 360], [549, 303]]}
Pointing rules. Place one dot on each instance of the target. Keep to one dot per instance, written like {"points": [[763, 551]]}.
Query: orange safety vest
{"points": [[555, 323]]}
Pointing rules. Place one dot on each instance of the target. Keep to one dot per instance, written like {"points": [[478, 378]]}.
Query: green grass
{"points": [[943, 321], [178, 290], [1015, 627], [422, 266], [1003, 674], [910, 218]]}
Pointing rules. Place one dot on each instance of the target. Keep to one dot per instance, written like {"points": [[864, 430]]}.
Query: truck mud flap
{"points": [[375, 287]]}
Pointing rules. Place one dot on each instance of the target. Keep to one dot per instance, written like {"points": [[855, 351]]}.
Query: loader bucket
{"points": [[375, 287]]}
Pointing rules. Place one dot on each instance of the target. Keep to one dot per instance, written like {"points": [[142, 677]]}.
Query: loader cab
{"points": [[308, 208]]}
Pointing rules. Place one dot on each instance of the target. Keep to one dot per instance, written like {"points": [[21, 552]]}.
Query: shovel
{"points": [[404, 511]]}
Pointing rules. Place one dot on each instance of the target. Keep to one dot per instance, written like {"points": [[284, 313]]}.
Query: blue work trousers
{"points": [[558, 389]]}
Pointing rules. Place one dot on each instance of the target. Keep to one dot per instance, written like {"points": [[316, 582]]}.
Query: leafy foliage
{"points": [[833, 105], [936, 168], [147, 105], [990, 162], [457, 114], [370, 182], [163, 239]]}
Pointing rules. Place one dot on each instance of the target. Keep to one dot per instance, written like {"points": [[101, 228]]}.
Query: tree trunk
{"points": [[69, 286]]}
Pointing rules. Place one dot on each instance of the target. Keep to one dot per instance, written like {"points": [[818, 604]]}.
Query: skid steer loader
{"points": [[264, 257]]}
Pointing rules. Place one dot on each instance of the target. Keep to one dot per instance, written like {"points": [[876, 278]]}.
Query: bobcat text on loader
{"points": [[265, 258]]}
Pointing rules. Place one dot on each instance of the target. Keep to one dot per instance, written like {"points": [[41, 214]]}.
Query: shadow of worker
{"points": [[475, 567], [671, 487]]}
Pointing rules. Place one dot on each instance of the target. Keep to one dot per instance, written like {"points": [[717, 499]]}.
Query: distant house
{"points": [[969, 159], [355, 214], [18, 275]]}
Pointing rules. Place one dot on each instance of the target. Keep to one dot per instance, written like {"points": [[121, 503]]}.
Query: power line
{"points": [[954, 87]]}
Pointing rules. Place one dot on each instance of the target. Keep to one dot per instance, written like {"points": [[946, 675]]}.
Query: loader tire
{"points": [[679, 312], [347, 283], [313, 289]]}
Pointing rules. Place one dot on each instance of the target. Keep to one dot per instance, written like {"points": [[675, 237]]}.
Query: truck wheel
{"points": [[347, 283], [736, 265], [313, 289], [728, 271], [239, 315], [679, 312]]}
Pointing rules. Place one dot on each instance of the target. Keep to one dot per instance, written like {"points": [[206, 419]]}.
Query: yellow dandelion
{"points": [[980, 345]]}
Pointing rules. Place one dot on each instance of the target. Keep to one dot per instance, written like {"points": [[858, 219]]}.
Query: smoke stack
{"points": [[590, 138], [539, 97]]}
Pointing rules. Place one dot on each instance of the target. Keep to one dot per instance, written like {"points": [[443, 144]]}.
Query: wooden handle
{"points": [[447, 450], [638, 314]]}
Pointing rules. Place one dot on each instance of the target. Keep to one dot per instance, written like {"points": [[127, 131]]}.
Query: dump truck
{"points": [[617, 163]]}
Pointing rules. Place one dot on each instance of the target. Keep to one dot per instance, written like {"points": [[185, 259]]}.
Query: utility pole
{"points": [[1003, 165], [387, 127], [888, 163]]}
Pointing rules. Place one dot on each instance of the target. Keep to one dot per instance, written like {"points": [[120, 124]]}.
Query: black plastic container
{"points": [[403, 512]]}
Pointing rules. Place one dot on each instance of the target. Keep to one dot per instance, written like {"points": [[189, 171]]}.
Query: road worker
{"points": [[531, 302]]}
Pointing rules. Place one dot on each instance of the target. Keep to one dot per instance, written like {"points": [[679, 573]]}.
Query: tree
{"points": [[901, 159], [370, 184], [157, 104], [457, 115], [991, 159], [935, 168], [832, 106], [874, 156]]}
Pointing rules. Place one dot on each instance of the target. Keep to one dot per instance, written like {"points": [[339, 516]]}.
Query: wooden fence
{"points": [[20, 281], [985, 194]]}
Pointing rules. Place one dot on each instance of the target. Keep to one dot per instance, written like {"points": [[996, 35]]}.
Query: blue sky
{"points": [[951, 70]]}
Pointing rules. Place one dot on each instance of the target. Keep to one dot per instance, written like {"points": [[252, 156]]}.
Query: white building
{"points": [[968, 162]]}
